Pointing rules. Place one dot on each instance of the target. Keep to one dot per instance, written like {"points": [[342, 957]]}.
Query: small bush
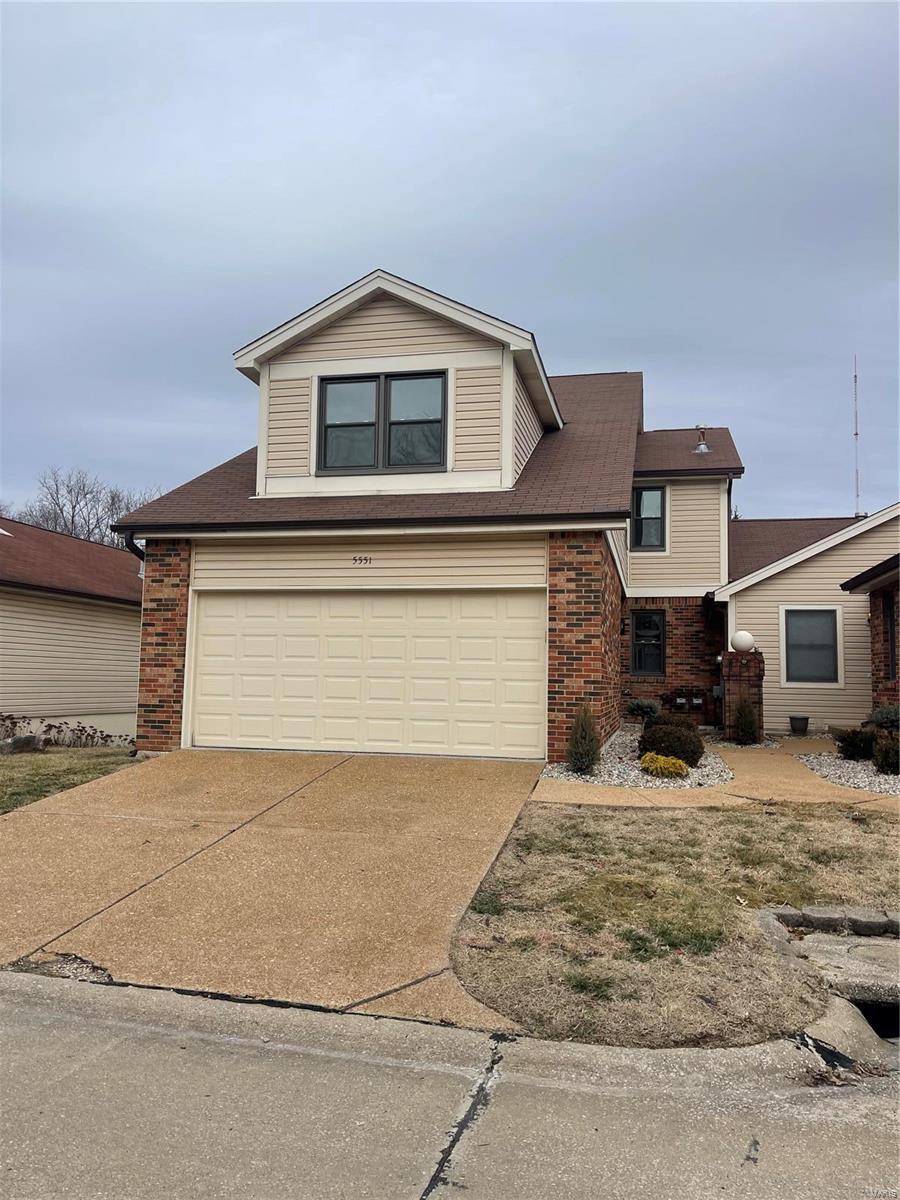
{"points": [[887, 754], [677, 720], [645, 709], [660, 766], [672, 741], [583, 743], [746, 727], [855, 744], [885, 716]]}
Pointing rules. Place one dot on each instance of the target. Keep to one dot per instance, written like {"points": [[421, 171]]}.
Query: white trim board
{"points": [[799, 556], [200, 535]]}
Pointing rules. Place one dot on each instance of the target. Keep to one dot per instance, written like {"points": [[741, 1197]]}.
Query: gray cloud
{"points": [[704, 192]]}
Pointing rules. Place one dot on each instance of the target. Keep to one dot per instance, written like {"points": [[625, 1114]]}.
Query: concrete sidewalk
{"points": [[113, 1092]]}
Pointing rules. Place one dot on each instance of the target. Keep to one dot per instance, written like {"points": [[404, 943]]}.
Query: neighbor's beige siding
{"points": [[817, 581], [384, 326], [65, 657], [694, 540], [287, 444], [321, 565], [476, 429], [527, 428]]}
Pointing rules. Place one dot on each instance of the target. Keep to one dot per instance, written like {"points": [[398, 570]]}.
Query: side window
{"points": [[648, 519], [648, 642], [810, 645]]}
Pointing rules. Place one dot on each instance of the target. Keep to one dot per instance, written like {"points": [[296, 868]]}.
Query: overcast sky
{"points": [[706, 193]]}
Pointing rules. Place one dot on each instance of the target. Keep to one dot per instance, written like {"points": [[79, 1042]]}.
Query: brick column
{"points": [[167, 574], [884, 689], [742, 679], [584, 618]]}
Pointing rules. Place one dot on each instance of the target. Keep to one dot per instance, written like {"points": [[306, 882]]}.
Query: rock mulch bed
{"points": [[842, 771], [619, 766]]}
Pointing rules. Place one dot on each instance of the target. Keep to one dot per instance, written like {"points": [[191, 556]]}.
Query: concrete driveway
{"points": [[322, 879]]}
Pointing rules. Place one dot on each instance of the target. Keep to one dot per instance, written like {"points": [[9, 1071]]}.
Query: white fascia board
{"points": [[661, 593], [799, 556], [529, 365], [400, 531], [248, 358], [614, 551]]}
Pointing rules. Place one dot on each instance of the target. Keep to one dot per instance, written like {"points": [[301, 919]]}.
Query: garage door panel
{"points": [[453, 673]]}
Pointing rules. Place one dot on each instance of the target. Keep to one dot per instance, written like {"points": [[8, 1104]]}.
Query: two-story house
{"points": [[435, 548]]}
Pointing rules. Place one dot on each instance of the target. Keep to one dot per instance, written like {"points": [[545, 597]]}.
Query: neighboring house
{"points": [[435, 548], [880, 583], [813, 634], [70, 627]]}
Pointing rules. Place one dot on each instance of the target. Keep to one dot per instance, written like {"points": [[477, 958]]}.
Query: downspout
{"points": [[131, 544]]}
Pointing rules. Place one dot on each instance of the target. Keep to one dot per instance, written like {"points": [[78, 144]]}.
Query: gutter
{"points": [[130, 543]]}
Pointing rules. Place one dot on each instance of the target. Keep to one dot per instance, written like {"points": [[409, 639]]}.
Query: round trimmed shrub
{"points": [[678, 720], [645, 709], [855, 744], [674, 741], [885, 716], [662, 766], [886, 756]]}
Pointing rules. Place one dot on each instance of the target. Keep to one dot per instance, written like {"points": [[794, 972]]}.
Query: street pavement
{"points": [[134, 1094]]}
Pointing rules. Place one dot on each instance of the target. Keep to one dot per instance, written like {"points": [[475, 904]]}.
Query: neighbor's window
{"points": [[383, 423], [811, 645], [648, 526], [648, 642], [890, 632]]}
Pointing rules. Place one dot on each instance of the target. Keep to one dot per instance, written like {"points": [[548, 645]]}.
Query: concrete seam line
{"points": [[479, 1099], [401, 987], [209, 845]]}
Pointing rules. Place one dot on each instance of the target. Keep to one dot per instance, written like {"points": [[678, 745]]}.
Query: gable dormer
{"points": [[387, 387]]}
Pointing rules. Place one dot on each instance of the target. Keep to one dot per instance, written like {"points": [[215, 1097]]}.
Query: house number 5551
{"points": [[362, 560]]}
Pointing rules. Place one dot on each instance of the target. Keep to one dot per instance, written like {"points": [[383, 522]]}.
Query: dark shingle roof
{"points": [[671, 451], [753, 544], [37, 558], [583, 470]]}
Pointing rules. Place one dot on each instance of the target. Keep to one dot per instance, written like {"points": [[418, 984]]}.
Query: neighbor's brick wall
{"points": [[884, 689], [583, 636], [167, 574], [693, 642]]}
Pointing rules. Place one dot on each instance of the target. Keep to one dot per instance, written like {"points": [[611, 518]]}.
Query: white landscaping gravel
{"points": [[851, 774], [619, 766]]}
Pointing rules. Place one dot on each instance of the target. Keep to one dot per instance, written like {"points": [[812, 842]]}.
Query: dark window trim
{"points": [[889, 616], [654, 612], [382, 424], [664, 532], [788, 678]]}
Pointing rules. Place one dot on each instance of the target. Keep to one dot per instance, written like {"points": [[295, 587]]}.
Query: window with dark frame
{"points": [[810, 645], [889, 611], [648, 520], [383, 423], [648, 642]]}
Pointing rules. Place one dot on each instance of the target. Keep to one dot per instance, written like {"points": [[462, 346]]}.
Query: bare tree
{"points": [[81, 504]]}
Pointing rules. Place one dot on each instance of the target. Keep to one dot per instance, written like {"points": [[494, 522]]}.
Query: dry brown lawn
{"points": [[631, 927]]}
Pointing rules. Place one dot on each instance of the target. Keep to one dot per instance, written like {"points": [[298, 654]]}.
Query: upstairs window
{"points": [[648, 522], [383, 423], [811, 645], [648, 641]]}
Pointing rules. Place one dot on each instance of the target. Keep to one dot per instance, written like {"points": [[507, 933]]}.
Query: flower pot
{"points": [[799, 726]]}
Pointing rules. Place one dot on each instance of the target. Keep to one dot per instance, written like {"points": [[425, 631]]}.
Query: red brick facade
{"points": [[884, 678], [167, 573], [584, 615], [695, 636]]}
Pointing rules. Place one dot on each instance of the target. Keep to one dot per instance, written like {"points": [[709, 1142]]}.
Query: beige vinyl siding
{"points": [[693, 557], [67, 657], [476, 429], [329, 565], [620, 539], [528, 428], [816, 581], [384, 326], [287, 443]]}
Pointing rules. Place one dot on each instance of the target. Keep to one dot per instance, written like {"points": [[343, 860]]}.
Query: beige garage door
{"points": [[416, 672]]}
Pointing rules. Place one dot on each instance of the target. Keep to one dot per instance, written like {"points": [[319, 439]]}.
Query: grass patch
{"points": [[28, 777], [655, 907]]}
